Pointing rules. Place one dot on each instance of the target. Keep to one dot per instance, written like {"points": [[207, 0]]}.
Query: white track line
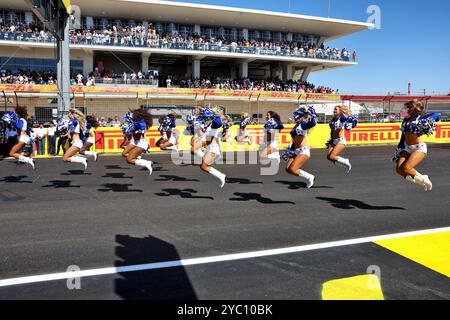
{"points": [[195, 261]]}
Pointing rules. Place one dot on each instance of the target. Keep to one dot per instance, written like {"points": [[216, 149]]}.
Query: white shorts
{"points": [[77, 144], [214, 148], [91, 140], [339, 141], [273, 145], [417, 147], [142, 143], [303, 151], [24, 139], [243, 133], [173, 139]]}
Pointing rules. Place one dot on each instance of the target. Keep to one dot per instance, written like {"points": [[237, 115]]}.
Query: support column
{"points": [[88, 62], [306, 73], [288, 71], [289, 36], [243, 69], [196, 68], [197, 29], [245, 34], [63, 72], [144, 61]]}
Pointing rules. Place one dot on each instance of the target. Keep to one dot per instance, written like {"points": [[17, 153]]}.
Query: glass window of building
{"points": [[159, 28], [267, 35], [118, 22], [221, 32], [233, 34], [255, 35]]}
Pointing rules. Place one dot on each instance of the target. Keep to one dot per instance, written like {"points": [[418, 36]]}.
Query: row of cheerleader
{"points": [[208, 127]]}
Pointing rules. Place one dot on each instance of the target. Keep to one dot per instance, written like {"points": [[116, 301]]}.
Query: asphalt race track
{"points": [[116, 215]]}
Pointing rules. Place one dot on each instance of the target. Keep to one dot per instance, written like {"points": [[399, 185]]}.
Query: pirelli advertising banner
{"points": [[171, 92], [108, 140]]}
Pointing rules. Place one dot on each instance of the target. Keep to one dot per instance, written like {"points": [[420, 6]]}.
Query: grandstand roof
{"points": [[189, 13]]}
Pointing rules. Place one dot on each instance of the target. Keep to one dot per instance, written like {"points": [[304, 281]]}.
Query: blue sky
{"points": [[413, 44]]}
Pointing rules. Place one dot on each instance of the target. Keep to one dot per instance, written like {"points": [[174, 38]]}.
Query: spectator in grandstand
{"points": [[51, 139], [299, 152], [116, 122], [342, 121], [354, 56], [40, 136]]}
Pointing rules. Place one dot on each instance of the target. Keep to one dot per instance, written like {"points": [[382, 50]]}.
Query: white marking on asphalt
{"points": [[222, 258]]}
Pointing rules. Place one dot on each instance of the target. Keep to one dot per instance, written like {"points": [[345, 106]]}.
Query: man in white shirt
{"points": [[41, 133], [51, 139]]}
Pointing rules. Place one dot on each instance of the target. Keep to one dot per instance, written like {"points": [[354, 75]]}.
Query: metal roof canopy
{"points": [[207, 15]]}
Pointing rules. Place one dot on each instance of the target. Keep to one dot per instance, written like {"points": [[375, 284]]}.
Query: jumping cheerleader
{"points": [[243, 135], [412, 150], [299, 152], [269, 148], [211, 140], [89, 136], [76, 128], [127, 136], [141, 121], [342, 121], [227, 122], [19, 120], [195, 128], [169, 138]]}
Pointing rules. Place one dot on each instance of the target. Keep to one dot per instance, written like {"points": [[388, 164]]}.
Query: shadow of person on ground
{"points": [[183, 193], [257, 197], [349, 204], [154, 282]]}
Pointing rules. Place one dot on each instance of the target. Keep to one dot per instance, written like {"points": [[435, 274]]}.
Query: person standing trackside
{"points": [[41, 134], [51, 139]]}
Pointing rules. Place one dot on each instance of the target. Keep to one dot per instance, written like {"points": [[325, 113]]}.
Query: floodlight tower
{"points": [[55, 15]]}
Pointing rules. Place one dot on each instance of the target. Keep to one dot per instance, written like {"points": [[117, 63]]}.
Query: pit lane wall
{"points": [[108, 140]]}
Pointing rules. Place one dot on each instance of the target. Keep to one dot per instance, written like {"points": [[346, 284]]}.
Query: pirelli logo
{"points": [[443, 131], [362, 133]]}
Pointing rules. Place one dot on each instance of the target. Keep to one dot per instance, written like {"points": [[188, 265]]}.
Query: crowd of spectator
{"points": [[27, 77], [139, 36], [254, 85]]}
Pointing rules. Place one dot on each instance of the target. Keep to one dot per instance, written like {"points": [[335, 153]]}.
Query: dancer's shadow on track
{"points": [[157, 169], [115, 167], [242, 181], [257, 197], [185, 193], [116, 175], [17, 179], [154, 284], [173, 178], [349, 204], [117, 187], [295, 185], [76, 173], [60, 184]]}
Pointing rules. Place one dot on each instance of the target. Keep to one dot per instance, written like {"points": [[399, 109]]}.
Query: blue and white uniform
{"points": [[138, 129], [243, 132], [419, 125], [195, 126], [88, 133], [166, 127], [341, 123], [74, 127], [213, 134], [20, 124], [272, 128]]}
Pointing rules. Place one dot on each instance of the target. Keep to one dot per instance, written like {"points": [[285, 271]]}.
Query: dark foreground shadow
{"points": [[117, 187], [60, 184], [116, 175], [183, 193], [18, 179], [349, 204], [173, 178], [242, 181], [295, 185], [153, 282], [257, 197], [116, 167], [76, 173]]}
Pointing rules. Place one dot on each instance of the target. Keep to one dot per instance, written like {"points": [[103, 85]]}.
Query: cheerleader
{"points": [[243, 135], [299, 152], [342, 121], [211, 140], [412, 150], [227, 122], [269, 148], [18, 119], [127, 136], [196, 129], [89, 137], [141, 121], [169, 138], [76, 126]]}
